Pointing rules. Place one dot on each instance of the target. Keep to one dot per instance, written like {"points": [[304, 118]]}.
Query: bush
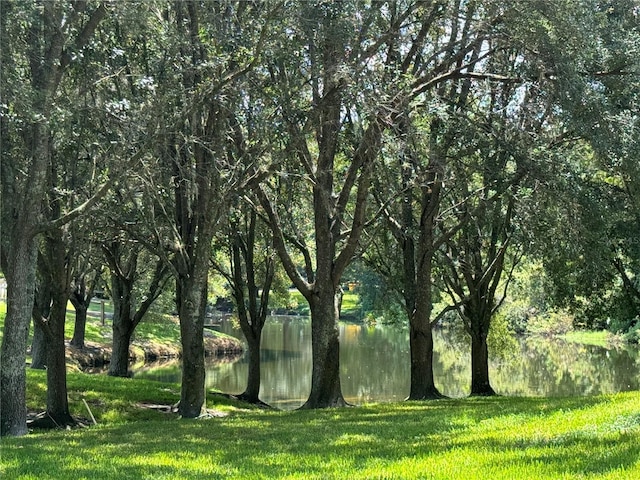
{"points": [[553, 322]]}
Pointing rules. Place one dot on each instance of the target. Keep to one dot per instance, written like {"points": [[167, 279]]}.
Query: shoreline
{"points": [[96, 355]]}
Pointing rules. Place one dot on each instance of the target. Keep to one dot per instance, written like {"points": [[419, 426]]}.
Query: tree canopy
{"points": [[441, 145]]}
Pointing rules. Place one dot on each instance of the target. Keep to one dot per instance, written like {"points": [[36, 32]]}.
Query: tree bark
{"points": [[21, 276], [421, 345], [252, 311], [122, 324], [192, 303], [80, 325], [480, 385], [326, 390], [57, 400], [119, 363], [47, 60], [81, 299], [38, 345], [124, 263], [251, 394], [41, 311]]}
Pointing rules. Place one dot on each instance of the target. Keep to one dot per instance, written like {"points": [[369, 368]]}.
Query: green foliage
{"points": [[378, 302], [551, 322], [633, 334], [528, 295], [528, 309], [501, 341]]}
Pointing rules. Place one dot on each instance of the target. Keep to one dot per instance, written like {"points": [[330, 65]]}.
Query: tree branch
{"points": [[279, 243]]}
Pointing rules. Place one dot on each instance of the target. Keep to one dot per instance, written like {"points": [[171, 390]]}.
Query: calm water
{"points": [[375, 365]]}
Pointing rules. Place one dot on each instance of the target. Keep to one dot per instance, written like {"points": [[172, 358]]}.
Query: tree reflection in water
{"points": [[375, 365]]}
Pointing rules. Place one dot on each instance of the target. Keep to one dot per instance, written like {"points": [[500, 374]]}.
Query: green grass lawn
{"points": [[601, 338], [479, 438], [350, 303]]}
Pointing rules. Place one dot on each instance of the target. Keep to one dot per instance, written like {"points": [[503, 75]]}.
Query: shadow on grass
{"points": [[319, 444]]}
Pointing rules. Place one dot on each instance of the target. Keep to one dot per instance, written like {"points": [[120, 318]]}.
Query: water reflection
{"points": [[375, 365]]}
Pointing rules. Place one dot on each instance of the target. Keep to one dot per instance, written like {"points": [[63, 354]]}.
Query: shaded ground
{"points": [[97, 355]]}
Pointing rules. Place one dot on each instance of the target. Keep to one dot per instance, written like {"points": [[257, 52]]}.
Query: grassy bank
{"points": [[156, 337], [497, 438], [351, 309], [601, 338]]}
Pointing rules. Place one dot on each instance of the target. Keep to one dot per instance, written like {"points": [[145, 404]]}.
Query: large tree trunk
{"points": [[80, 326], [251, 394], [192, 304], [480, 385], [38, 346], [21, 279], [119, 363], [420, 324], [21, 276], [421, 345], [57, 400], [418, 281], [326, 390], [47, 58]]}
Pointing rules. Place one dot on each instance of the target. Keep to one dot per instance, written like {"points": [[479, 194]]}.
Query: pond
{"points": [[375, 365]]}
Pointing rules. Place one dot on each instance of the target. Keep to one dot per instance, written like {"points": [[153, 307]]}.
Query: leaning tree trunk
{"points": [[326, 390], [480, 384]]}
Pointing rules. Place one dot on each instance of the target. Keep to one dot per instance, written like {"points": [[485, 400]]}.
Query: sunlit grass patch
{"points": [[600, 338], [479, 438]]}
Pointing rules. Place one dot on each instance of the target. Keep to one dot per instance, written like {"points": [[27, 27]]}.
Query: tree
{"points": [[201, 55], [123, 258], [413, 208], [361, 69], [251, 274], [325, 31], [600, 107], [53, 32], [503, 134], [586, 215], [83, 287]]}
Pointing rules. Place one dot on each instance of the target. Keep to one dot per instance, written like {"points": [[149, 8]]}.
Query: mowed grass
{"points": [[479, 438], [350, 304], [601, 338]]}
